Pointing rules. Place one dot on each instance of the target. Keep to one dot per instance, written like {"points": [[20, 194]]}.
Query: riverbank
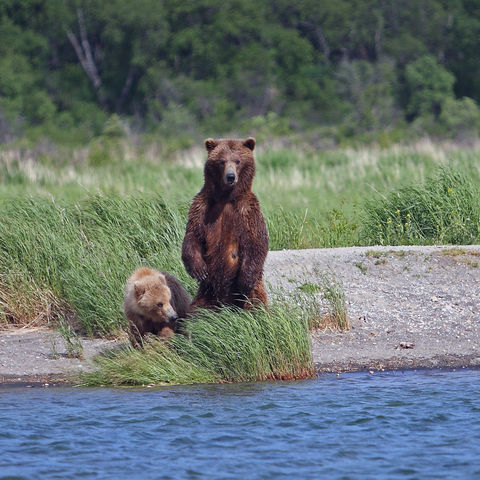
{"points": [[408, 307]]}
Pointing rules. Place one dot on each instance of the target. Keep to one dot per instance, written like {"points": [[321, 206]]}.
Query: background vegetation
{"points": [[181, 69]]}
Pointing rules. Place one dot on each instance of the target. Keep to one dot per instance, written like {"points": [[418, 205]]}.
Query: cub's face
{"points": [[153, 297], [230, 162]]}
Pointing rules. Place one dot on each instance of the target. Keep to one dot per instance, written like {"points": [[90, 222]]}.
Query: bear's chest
{"points": [[222, 234]]}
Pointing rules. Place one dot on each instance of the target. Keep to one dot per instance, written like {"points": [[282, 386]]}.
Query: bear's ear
{"points": [[210, 144], [139, 289], [249, 143]]}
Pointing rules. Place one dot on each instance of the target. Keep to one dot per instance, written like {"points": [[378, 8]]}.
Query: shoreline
{"points": [[410, 307], [65, 382], [439, 362]]}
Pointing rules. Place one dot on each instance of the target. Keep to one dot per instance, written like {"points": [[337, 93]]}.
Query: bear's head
{"points": [[153, 297], [230, 166]]}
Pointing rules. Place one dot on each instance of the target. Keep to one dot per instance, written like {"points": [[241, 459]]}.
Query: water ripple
{"points": [[391, 425]]}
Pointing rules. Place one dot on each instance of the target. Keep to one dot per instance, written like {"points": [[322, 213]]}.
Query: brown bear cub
{"points": [[154, 302], [226, 240]]}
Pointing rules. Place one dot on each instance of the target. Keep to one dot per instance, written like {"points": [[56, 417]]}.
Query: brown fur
{"points": [[226, 240], [154, 303]]}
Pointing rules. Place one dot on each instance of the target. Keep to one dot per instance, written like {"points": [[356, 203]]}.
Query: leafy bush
{"points": [[429, 84], [368, 90], [460, 118]]}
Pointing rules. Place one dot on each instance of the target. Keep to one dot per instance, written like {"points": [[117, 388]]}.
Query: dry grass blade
{"points": [[25, 304]]}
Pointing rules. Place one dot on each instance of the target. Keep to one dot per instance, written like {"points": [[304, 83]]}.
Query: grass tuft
{"points": [[334, 296], [24, 303], [444, 210], [72, 341], [334, 314], [225, 345]]}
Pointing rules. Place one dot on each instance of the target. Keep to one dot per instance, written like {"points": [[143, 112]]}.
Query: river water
{"points": [[413, 425]]}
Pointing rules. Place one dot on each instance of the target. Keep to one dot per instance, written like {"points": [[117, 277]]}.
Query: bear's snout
{"points": [[171, 314], [230, 175]]}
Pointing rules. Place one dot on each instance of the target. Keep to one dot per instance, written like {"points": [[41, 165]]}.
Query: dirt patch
{"points": [[409, 307]]}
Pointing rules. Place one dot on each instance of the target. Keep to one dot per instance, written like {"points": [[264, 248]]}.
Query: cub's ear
{"points": [[139, 289], [250, 143], [210, 144]]}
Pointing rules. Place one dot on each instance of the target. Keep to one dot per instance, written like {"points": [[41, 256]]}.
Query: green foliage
{"points": [[460, 118], [228, 345], [446, 209], [429, 85], [179, 68], [21, 91], [369, 89]]}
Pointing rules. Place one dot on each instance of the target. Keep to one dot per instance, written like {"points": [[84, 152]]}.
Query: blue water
{"points": [[414, 425]]}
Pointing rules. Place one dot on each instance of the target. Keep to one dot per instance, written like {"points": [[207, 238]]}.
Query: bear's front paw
{"points": [[199, 272]]}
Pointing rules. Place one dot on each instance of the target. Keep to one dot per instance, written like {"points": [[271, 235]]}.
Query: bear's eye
{"points": [[222, 162], [237, 162], [159, 304]]}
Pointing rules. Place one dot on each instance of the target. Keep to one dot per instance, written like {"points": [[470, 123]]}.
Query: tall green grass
{"points": [[443, 210], [85, 252], [297, 230], [222, 346], [309, 198]]}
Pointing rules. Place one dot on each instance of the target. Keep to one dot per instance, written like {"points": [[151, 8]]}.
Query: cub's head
{"points": [[153, 297], [230, 164]]}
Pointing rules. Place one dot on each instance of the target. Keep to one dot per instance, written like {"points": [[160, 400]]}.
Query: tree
{"points": [[429, 85]]}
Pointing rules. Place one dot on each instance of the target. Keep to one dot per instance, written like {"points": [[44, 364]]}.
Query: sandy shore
{"points": [[409, 307]]}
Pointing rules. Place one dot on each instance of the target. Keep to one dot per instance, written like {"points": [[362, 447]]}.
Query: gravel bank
{"points": [[409, 307]]}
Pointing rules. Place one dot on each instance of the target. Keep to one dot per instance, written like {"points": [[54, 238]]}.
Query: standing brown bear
{"points": [[226, 240]]}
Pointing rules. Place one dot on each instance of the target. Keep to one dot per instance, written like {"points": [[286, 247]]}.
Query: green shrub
{"points": [[368, 90], [429, 84], [460, 118]]}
